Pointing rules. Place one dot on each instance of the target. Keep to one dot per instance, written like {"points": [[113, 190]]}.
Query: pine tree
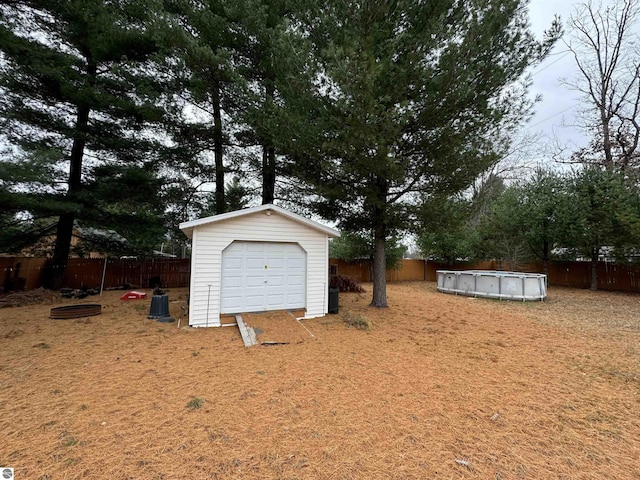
{"points": [[414, 95], [605, 215], [205, 43], [276, 66], [79, 90]]}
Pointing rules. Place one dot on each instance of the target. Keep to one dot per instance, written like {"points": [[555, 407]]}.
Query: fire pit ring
{"points": [[76, 311]]}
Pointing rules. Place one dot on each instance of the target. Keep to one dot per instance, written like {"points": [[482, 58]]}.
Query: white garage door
{"points": [[260, 276]]}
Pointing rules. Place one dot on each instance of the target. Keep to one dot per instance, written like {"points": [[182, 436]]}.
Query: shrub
{"points": [[356, 321], [195, 403]]}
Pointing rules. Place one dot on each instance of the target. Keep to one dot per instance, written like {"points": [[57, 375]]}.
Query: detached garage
{"points": [[255, 260]]}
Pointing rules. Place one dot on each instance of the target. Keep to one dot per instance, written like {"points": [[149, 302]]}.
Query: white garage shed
{"points": [[257, 259]]}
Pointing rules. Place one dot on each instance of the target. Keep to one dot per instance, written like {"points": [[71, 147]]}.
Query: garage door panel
{"points": [[248, 286], [254, 297], [274, 292], [234, 301], [294, 263], [291, 289], [254, 281], [235, 273], [255, 263], [252, 247], [234, 292], [235, 249], [234, 263], [295, 280], [234, 282], [256, 288], [276, 262], [276, 301], [276, 281], [294, 298]]}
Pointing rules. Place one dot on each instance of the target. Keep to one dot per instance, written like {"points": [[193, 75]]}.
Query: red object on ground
{"points": [[133, 295]]}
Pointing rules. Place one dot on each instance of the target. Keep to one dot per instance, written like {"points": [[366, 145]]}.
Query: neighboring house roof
{"points": [[187, 227], [158, 253], [98, 235], [82, 238]]}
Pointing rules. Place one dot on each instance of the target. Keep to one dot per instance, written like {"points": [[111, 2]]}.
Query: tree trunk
{"points": [[64, 230], [268, 174], [594, 268], [54, 277], [379, 268], [54, 273], [606, 135], [268, 151], [370, 268], [221, 206], [380, 235]]}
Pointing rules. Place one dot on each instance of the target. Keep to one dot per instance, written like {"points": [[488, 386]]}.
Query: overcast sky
{"points": [[558, 105], [557, 111]]}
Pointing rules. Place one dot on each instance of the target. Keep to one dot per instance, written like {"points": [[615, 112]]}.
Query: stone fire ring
{"points": [[76, 311]]}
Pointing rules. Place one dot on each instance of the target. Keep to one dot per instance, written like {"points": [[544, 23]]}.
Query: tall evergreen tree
{"points": [[444, 229], [242, 62], [79, 90], [501, 232], [528, 220], [266, 25], [276, 64], [414, 95], [544, 214], [205, 42], [605, 215]]}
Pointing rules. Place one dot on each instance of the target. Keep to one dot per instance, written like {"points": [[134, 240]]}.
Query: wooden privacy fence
{"points": [[87, 272], [168, 272], [28, 272], [621, 278], [21, 273], [360, 270]]}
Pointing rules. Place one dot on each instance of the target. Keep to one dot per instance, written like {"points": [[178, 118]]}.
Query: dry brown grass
{"points": [[440, 387]]}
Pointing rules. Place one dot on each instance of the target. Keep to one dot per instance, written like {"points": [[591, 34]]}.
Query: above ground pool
{"points": [[493, 284]]}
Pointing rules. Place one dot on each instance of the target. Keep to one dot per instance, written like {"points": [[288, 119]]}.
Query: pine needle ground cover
{"points": [[439, 386]]}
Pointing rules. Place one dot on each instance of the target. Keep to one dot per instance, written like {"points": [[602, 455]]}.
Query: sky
{"points": [[557, 111]]}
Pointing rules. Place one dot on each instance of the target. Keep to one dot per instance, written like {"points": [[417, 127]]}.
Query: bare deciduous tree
{"points": [[606, 48]]}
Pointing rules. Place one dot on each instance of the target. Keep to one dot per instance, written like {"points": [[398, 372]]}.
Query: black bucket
{"points": [[159, 307]]}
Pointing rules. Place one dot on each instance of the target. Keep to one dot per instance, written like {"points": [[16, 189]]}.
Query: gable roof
{"points": [[187, 227]]}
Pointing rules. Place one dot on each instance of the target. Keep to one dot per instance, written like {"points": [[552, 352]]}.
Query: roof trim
{"points": [[187, 227]]}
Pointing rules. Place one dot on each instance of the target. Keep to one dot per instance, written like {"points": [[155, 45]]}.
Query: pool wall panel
{"points": [[493, 284]]}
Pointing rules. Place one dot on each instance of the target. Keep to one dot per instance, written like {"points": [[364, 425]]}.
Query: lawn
{"points": [[439, 387]]}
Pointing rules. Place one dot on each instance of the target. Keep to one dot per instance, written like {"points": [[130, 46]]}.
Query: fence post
{"points": [[104, 272]]}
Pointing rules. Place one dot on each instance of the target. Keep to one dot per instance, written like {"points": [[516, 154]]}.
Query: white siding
{"points": [[210, 239]]}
